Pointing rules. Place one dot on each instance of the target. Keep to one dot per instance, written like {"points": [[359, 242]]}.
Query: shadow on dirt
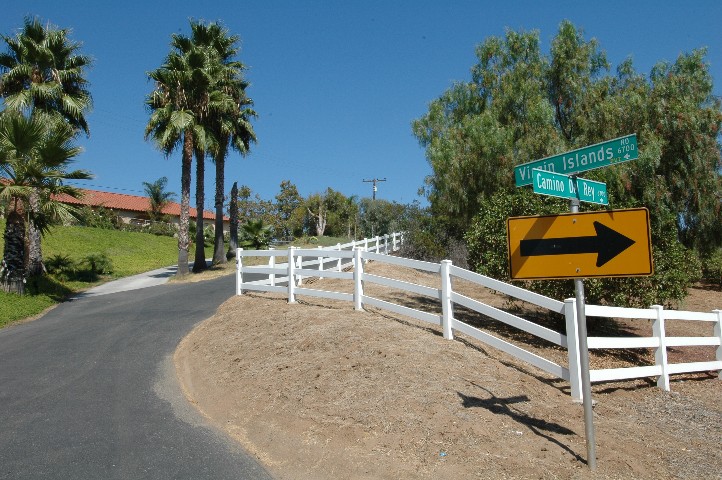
{"points": [[501, 406]]}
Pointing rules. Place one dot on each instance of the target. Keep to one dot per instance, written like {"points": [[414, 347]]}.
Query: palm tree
{"points": [[230, 125], [178, 105], [256, 234], [157, 197], [233, 129], [35, 153], [43, 73], [222, 118]]}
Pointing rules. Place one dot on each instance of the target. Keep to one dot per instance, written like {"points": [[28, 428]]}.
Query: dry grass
{"points": [[318, 390]]}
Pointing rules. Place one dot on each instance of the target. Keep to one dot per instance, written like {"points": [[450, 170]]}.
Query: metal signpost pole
{"points": [[584, 361]]}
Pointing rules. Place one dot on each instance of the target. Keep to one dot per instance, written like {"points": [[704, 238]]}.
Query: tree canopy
{"points": [[522, 104]]}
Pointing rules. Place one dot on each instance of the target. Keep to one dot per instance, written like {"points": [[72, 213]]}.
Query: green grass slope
{"points": [[129, 252]]}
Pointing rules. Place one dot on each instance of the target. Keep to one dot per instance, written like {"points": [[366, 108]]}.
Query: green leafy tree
{"points": [[349, 215], [158, 197], [379, 217], [317, 213], [288, 205], [522, 105], [252, 207]]}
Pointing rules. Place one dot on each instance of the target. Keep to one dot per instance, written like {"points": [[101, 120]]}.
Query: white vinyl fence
{"points": [[287, 277]]}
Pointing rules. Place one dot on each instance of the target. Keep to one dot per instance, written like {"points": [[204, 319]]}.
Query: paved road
{"points": [[89, 391]]}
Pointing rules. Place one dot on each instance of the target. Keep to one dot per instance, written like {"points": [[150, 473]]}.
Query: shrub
{"points": [[712, 268], [255, 234], [61, 266], [99, 217], [426, 239], [209, 235], [93, 265]]}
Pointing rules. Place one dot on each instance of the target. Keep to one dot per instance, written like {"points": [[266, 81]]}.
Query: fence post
{"points": [[320, 263], [366, 246], [393, 236], [272, 264], [239, 271], [338, 264], [575, 368], [299, 266], [446, 306], [291, 280], [377, 244], [660, 353], [718, 334], [358, 272]]}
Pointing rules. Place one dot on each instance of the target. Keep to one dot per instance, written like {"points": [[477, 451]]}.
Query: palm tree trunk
{"points": [[35, 252], [183, 237], [199, 264], [233, 211], [218, 253], [13, 262]]}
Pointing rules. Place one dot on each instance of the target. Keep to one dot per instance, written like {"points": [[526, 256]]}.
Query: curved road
{"points": [[89, 391]]}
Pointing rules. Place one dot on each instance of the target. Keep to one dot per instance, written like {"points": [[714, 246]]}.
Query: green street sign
{"points": [[619, 150], [564, 186]]}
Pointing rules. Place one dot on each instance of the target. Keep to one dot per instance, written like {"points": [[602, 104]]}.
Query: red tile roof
{"points": [[121, 201]]}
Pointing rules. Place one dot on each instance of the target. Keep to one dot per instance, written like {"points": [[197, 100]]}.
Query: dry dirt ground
{"points": [[317, 390]]}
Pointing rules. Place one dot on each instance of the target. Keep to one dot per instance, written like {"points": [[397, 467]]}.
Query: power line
{"points": [[375, 181]]}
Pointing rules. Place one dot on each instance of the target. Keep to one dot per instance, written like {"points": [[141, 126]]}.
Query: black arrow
{"points": [[607, 244]]}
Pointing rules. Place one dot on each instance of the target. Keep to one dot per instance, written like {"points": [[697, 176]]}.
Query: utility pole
{"points": [[375, 181]]}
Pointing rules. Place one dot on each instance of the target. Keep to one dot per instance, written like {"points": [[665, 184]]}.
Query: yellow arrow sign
{"points": [[613, 243]]}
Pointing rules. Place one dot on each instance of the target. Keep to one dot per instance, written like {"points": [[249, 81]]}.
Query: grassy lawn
{"points": [[129, 252]]}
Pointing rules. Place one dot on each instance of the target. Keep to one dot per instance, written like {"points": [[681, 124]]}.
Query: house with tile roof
{"points": [[134, 209]]}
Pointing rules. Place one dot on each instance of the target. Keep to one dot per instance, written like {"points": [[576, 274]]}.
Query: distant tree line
{"points": [[330, 213]]}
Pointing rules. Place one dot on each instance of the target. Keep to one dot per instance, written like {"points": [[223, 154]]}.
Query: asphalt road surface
{"points": [[89, 391]]}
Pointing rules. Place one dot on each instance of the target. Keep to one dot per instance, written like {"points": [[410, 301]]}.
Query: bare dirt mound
{"points": [[319, 391]]}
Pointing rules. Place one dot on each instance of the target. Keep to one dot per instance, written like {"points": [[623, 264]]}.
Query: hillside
{"points": [[128, 252]]}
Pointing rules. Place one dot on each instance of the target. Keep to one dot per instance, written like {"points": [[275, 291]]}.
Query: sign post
{"points": [[584, 364], [563, 246]]}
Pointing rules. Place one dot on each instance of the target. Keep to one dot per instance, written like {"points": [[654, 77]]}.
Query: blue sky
{"points": [[336, 83]]}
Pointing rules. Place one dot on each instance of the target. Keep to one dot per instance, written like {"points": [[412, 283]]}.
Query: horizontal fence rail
{"points": [[298, 264], [658, 341]]}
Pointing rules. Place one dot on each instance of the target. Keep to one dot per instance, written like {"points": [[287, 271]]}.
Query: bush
{"points": [[255, 234], [426, 239], [100, 217], [61, 266], [64, 268], [712, 268], [93, 265]]}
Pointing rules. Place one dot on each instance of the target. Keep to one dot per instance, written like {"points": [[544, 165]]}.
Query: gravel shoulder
{"points": [[318, 390]]}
